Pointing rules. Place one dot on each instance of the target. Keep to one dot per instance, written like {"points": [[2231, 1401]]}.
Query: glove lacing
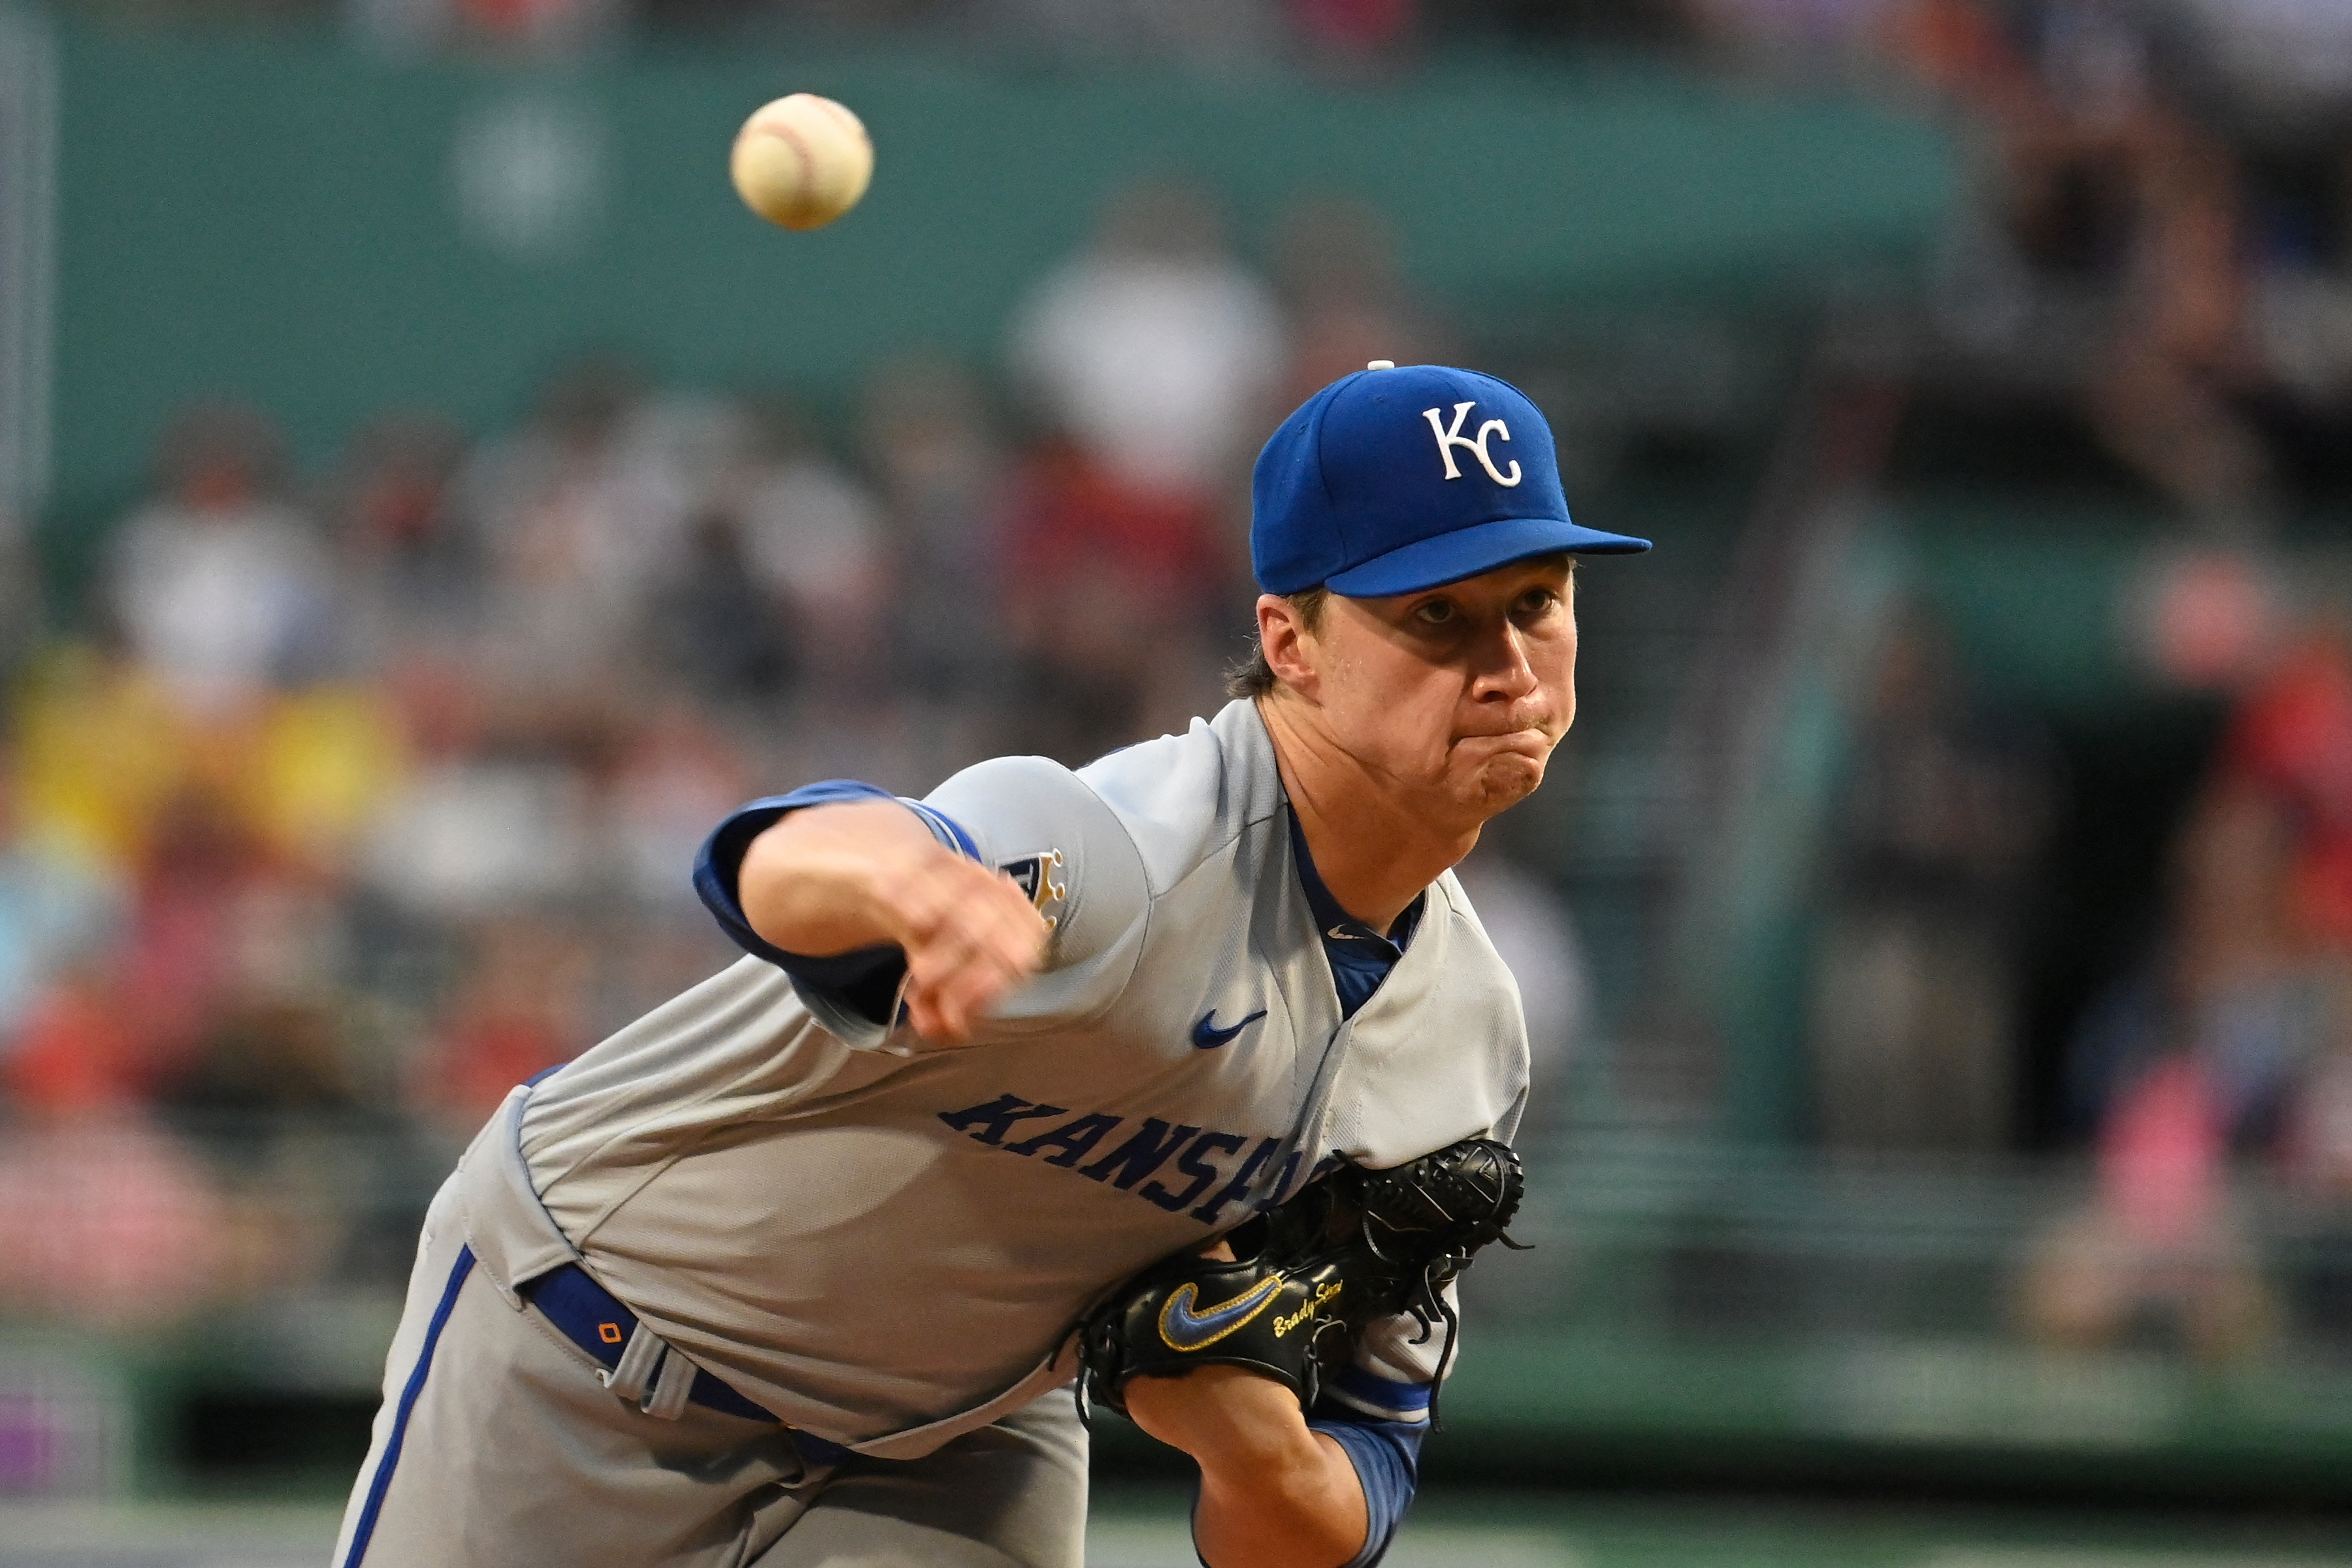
{"points": [[1425, 1294]]}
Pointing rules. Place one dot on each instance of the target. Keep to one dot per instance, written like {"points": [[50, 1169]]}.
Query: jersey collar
{"points": [[1337, 924]]}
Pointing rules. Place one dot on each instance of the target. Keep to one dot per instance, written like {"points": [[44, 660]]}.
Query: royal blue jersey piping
{"points": [[374, 1507]]}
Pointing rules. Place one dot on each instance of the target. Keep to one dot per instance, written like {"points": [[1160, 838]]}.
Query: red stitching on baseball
{"points": [[803, 189]]}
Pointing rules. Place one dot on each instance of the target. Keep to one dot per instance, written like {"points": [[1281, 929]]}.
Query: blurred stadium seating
{"points": [[431, 502]]}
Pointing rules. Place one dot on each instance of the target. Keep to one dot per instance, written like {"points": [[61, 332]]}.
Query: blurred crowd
{"points": [[2209, 1079], [360, 796], [2227, 1043], [2158, 240], [2154, 260], [2163, 235]]}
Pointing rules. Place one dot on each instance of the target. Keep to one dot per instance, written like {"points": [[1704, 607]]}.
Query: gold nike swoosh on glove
{"points": [[1202, 1330]]}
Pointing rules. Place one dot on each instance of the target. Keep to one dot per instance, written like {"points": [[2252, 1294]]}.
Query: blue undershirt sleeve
{"points": [[865, 980], [1387, 1456]]}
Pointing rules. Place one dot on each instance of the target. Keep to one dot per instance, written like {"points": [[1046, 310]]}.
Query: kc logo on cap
{"points": [[1449, 439], [1345, 495]]}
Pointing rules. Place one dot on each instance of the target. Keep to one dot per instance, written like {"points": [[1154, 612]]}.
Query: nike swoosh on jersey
{"points": [[1185, 1329], [1207, 1036]]}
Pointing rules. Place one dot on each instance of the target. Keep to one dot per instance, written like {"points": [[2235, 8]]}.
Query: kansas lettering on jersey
{"points": [[887, 1242], [1258, 1182]]}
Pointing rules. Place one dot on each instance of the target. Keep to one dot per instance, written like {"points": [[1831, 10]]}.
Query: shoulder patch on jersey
{"points": [[1039, 875]]}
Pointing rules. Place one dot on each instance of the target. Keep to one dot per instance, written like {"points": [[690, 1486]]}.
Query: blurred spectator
{"points": [[2106, 262], [318, 767], [1786, 37], [74, 1050], [678, 778], [411, 579], [110, 1223], [716, 626], [1154, 350], [1354, 32], [2285, 66], [2167, 398], [1154, 356], [2205, 617], [474, 833], [100, 748], [681, 773], [574, 516], [2303, 308], [1531, 928], [941, 477], [1915, 978], [117, 1027], [2315, 1136], [273, 1039], [1336, 262], [2288, 758], [812, 535], [480, 821], [2304, 319], [2237, 1038], [221, 590], [522, 1009], [57, 907], [2239, 986], [267, 1056], [185, 960], [1221, 33], [1111, 593], [2159, 1257], [514, 28]]}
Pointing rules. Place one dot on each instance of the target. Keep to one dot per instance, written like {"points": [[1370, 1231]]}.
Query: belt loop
{"points": [[629, 1376], [667, 1400]]}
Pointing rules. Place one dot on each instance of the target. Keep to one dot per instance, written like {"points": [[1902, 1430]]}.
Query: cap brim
{"points": [[1467, 552]]}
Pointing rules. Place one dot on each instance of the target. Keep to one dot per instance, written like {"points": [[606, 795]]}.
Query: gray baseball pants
{"points": [[498, 1447]]}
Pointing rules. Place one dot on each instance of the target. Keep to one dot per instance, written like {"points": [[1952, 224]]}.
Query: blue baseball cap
{"points": [[1397, 478]]}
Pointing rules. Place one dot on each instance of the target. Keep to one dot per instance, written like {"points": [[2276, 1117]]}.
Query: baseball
{"points": [[802, 161]]}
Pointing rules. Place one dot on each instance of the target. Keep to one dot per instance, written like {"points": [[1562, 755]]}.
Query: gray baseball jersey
{"points": [[887, 1242]]}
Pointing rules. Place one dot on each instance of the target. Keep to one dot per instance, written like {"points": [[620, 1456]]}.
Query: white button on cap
{"points": [[1381, 365]]}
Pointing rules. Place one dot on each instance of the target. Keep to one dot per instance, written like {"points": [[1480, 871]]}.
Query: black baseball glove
{"points": [[1355, 1246]]}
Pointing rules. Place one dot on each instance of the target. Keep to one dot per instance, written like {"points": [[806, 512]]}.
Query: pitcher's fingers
{"points": [[951, 998], [995, 941], [994, 925], [923, 1015], [972, 936], [964, 904], [948, 1016]]}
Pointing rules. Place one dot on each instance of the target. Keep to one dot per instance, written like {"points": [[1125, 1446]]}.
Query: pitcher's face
{"points": [[1457, 692]]}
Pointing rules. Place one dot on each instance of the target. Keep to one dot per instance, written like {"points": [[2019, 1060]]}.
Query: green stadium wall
{"points": [[280, 218]]}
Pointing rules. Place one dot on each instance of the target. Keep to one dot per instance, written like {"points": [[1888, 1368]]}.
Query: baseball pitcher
{"points": [[1187, 1078]]}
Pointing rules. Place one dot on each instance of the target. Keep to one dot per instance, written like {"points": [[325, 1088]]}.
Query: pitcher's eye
{"points": [[1437, 612]]}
